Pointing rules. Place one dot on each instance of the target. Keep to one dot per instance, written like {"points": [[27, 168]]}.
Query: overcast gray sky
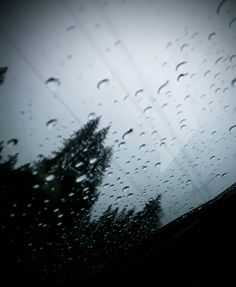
{"points": [[164, 69]]}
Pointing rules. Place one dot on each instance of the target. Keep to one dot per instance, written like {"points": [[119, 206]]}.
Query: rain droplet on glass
{"points": [[50, 177], [125, 188], [103, 83], [233, 83], [126, 134], [51, 123], [81, 178], [91, 116], [12, 142], [52, 83], [232, 128], [145, 111]]}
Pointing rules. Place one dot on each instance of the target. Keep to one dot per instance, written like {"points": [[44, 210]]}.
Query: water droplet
{"points": [[142, 146], [52, 84], [91, 116], [125, 188], [226, 107], [218, 60], [118, 43], [103, 83], [121, 144], [181, 76], [162, 86], [164, 105], [12, 142], [81, 178], [51, 123], [182, 121], [220, 6], [130, 194], [232, 57], [138, 93], [233, 83], [232, 21], [157, 164], [125, 135], [71, 27], [79, 164], [212, 157], [50, 177], [183, 127], [211, 35], [147, 109], [3, 71], [232, 128], [179, 65], [93, 160], [224, 174], [183, 47], [162, 144]]}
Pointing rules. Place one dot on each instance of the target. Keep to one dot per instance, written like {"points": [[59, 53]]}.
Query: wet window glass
{"points": [[117, 117]]}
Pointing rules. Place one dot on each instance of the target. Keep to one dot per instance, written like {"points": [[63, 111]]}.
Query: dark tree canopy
{"points": [[46, 223]]}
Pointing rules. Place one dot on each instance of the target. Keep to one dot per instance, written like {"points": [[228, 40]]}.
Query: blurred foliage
{"points": [[46, 210]]}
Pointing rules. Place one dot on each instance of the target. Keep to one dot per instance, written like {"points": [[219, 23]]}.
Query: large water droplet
{"points": [[52, 83], [50, 177], [51, 123], [233, 83], [219, 7], [81, 178], [103, 83], [232, 128], [126, 134], [12, 142]]}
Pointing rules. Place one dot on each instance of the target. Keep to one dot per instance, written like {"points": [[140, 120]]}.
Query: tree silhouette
{"points": [[47, 226]]}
